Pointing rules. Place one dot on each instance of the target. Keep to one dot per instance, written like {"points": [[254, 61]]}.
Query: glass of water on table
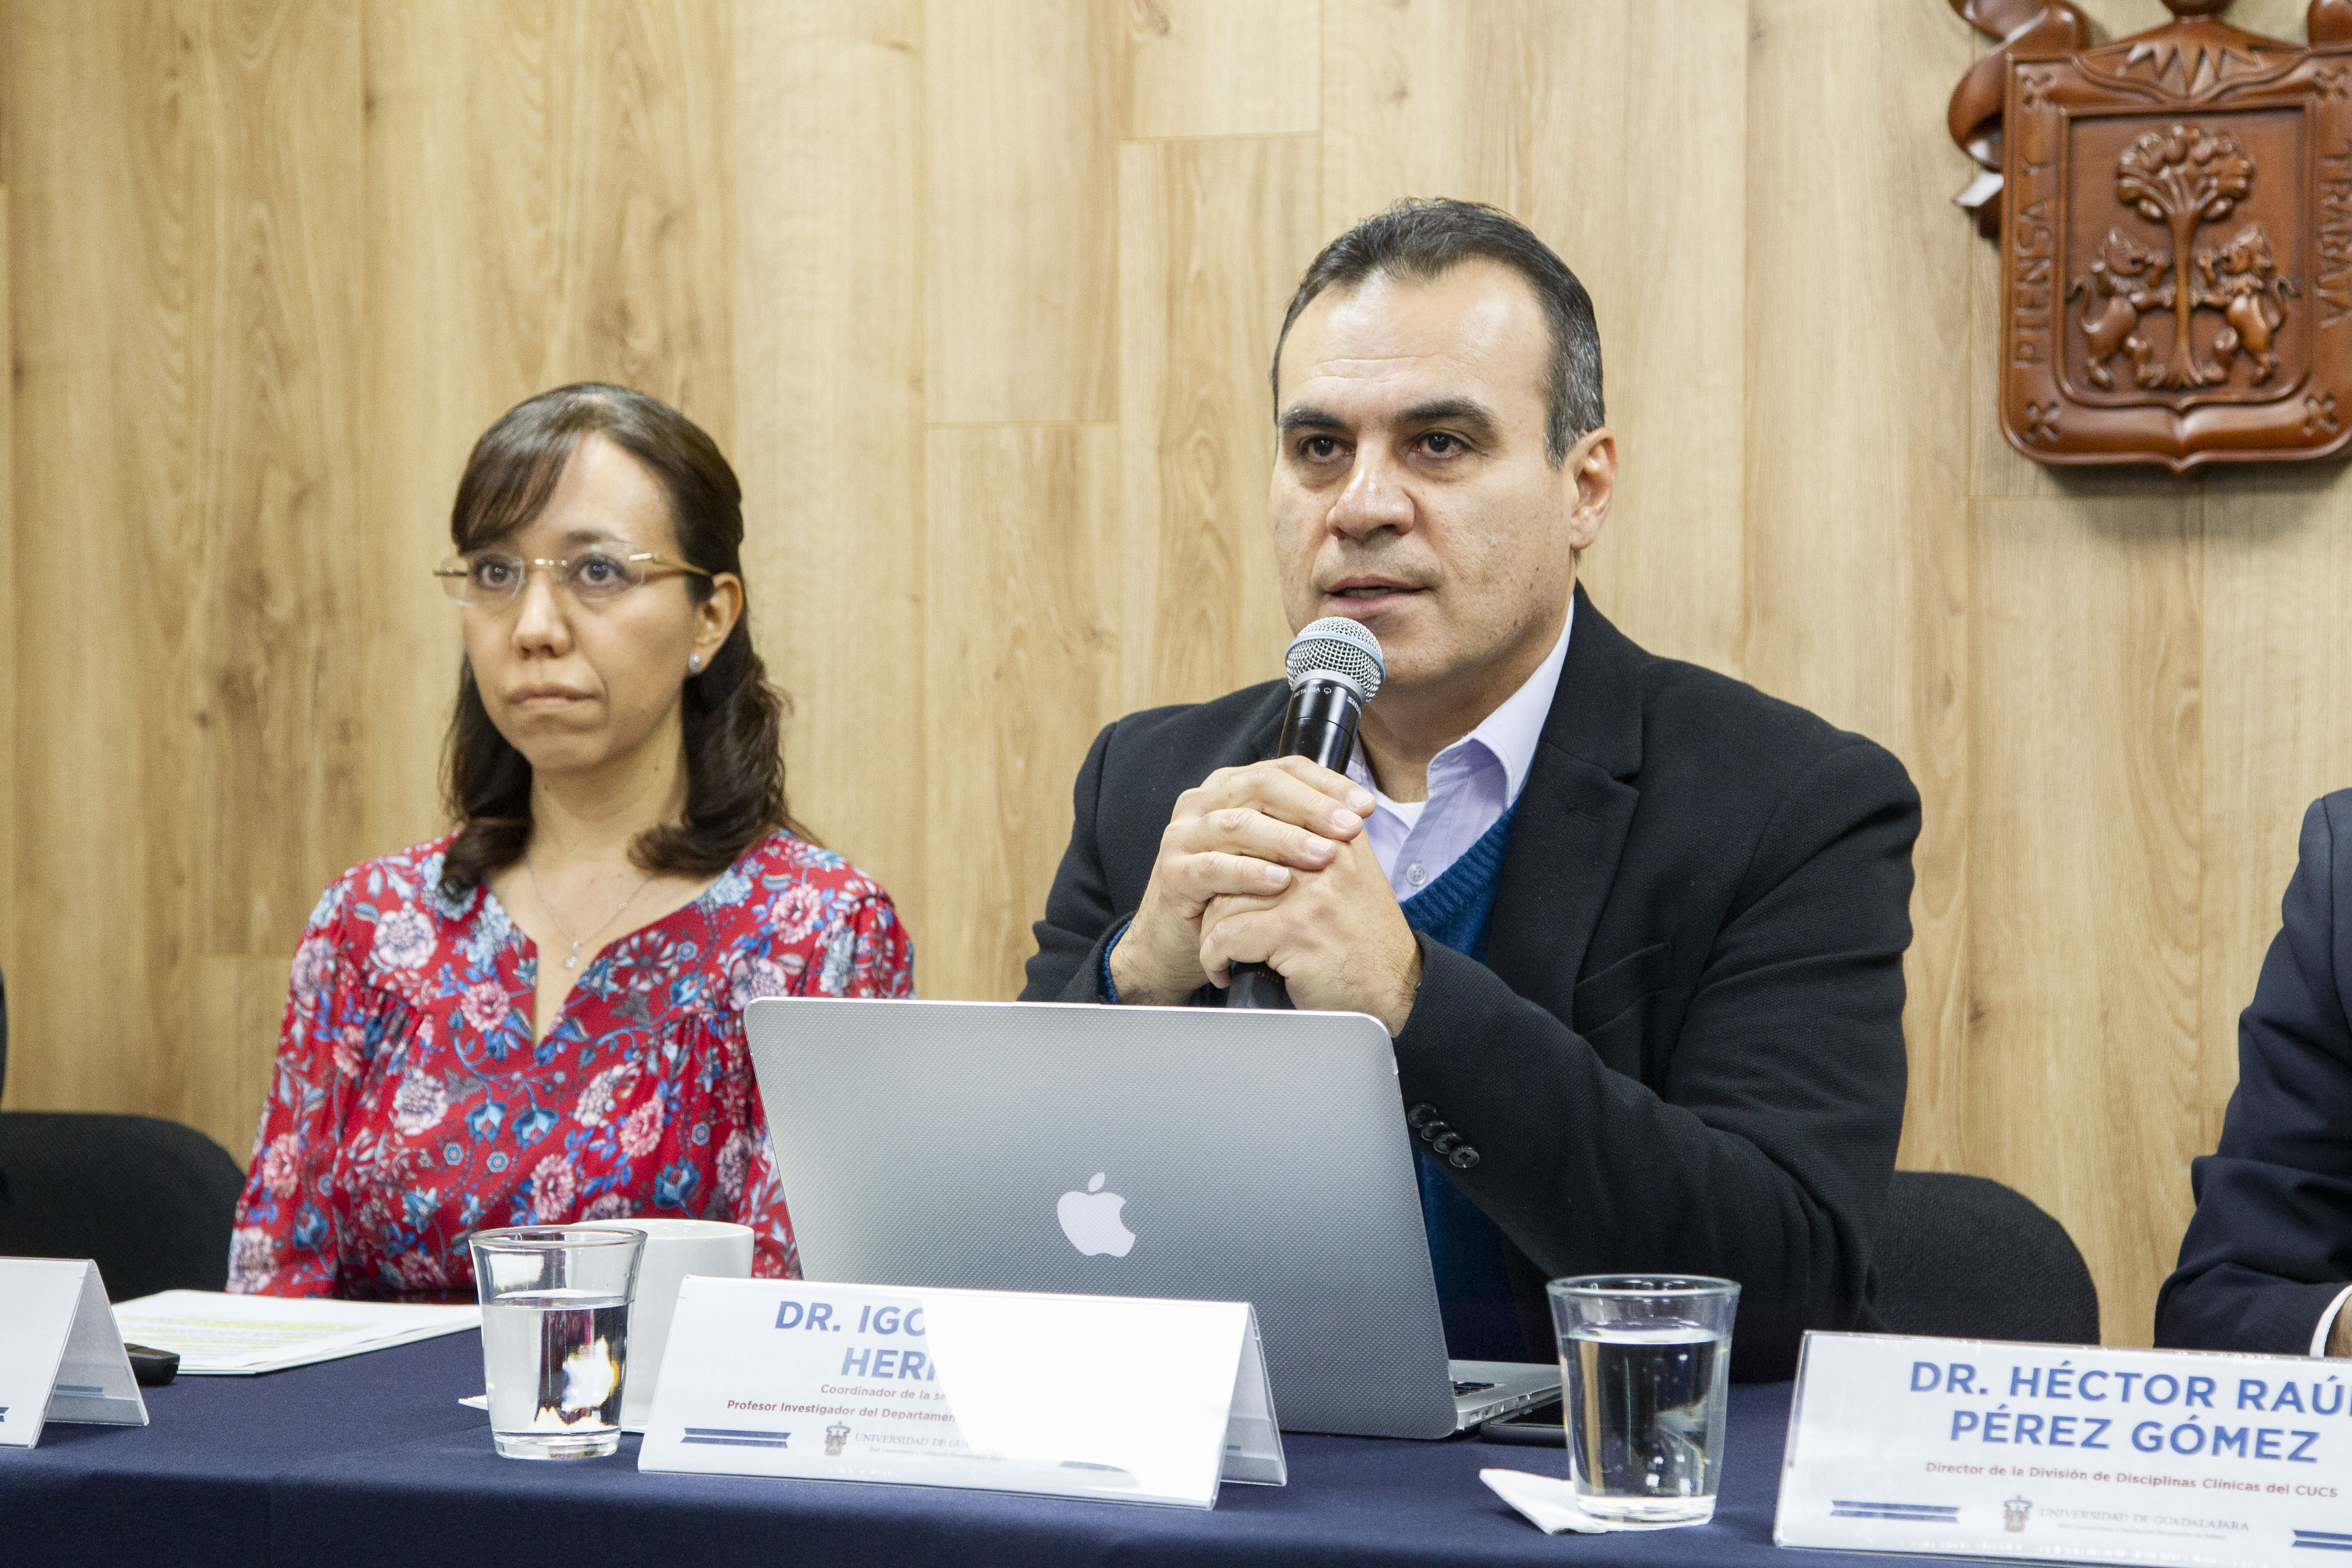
{"points": [[1645, 1362], [555, 1336]]}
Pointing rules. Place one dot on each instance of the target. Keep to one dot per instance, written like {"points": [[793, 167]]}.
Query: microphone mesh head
{"points": [[1336, 646]]}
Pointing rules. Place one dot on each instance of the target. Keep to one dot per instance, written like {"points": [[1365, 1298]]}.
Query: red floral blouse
{"points": [[411, 1108]]}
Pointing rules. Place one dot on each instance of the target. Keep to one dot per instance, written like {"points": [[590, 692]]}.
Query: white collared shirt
{"points": [[2327, 1321], [1471, 782]]}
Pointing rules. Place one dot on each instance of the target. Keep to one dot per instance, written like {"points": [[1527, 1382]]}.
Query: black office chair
{"points": [[1964, 1257], [151, 1200]]}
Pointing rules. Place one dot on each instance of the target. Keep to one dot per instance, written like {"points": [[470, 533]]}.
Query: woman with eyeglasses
{"points": [[539, 1018]]}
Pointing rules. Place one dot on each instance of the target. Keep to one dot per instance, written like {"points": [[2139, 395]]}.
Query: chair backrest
{"points": [[1966, 1257], [151, 1200]]}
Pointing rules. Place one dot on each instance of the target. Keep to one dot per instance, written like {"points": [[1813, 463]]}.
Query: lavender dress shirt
{"points": [[1471, 782]]}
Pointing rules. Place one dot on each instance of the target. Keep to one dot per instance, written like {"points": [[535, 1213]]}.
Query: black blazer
{"points": [[1685, 1050], [2270, 1243]]}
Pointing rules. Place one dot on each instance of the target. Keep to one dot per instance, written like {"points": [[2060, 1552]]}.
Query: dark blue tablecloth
{"points": [[372, 1460]]}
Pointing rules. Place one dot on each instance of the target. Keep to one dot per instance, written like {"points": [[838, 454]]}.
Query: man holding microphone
{"points": [[1635, 928]]}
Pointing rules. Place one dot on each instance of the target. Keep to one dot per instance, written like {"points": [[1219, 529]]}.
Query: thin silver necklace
{"points": [[572, 959]]}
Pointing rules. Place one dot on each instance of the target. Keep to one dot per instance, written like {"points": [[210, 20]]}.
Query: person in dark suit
{"points": [[2266, 1263], [1636, 929]]}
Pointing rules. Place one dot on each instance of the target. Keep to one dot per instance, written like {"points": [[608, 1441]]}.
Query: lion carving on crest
{"points": [[2126, 278], [2242, 280]]}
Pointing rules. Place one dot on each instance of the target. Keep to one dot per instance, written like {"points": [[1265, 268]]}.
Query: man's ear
{"points": [[1591, 470]]}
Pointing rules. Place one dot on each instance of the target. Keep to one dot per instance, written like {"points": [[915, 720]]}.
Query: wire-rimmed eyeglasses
{"points": [[496, 579]]}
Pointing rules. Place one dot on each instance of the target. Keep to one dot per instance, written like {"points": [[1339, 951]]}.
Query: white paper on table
{"points": [[218, 1335], [1551, 1505]]}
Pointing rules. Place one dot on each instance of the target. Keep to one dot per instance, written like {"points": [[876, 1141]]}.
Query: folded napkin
{"points": [[1550, 1503]]}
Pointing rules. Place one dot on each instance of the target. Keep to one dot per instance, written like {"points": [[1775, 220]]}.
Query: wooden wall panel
{"points": [[1568, 116], [978, 296], [13, 604], [1213, 236], [2278, 572], [549, 193], [2278, 19], [270, 467], [195, 261], [1854, 463], [1857, 451], [68, 315], [1222, 68], [553, 183], [221, 999], [1021, 116], [449, 347], [2263, 558], [1422, 100], [828, 307], [1021, 668], [1634, 90], [2084, 956], [2277, 643]]}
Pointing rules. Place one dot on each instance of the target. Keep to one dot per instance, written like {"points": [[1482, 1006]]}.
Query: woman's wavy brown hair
{"points": [[733, 718]]}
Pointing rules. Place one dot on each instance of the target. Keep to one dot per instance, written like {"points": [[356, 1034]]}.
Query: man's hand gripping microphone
{"points": [[1335, 669]]}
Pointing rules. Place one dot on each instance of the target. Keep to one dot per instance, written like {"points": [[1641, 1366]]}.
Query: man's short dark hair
{"points": [[1416, 240]]}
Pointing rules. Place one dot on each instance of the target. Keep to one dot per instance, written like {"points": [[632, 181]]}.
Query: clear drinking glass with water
{"points": [[555, 1336], [1645, 1364]]}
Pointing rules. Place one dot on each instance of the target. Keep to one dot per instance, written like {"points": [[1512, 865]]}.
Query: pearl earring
{"points": [[694, 665]]}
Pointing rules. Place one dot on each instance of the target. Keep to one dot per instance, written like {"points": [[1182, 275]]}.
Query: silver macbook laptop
{"points": [[1174, 1151]]}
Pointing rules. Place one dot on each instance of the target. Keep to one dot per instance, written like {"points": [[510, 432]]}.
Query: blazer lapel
{"points": [[1573, 816], [1264, 732]]}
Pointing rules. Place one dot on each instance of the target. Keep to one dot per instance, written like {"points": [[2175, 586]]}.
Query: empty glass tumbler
{"points": [[555, 1336]]}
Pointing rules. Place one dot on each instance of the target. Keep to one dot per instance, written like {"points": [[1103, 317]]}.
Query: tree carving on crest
{"points": [[2183, 178]]}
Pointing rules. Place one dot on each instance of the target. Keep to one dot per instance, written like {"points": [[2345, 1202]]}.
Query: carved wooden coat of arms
{"points": [[2175, 223]]}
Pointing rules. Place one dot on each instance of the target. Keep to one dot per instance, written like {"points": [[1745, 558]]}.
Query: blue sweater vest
{"points": [[1466, 1248]]}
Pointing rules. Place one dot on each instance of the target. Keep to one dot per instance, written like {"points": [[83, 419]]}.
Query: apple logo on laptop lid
{"points": [[1090, 1219]]}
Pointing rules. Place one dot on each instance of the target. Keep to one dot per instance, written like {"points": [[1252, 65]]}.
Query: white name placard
{"points": [[1988, 1449], [1092, 1396], [60, 1358]]}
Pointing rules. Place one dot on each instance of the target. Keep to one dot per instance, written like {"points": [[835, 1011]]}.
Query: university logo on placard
{"points": [[2176, 240], [836, 1438], [2014, 1512]]}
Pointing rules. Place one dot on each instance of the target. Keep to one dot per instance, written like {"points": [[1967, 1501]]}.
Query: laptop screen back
{"points": [[1241, 1156]]}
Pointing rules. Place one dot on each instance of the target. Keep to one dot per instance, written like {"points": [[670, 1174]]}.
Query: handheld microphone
{"points": [[1335, 669]]}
